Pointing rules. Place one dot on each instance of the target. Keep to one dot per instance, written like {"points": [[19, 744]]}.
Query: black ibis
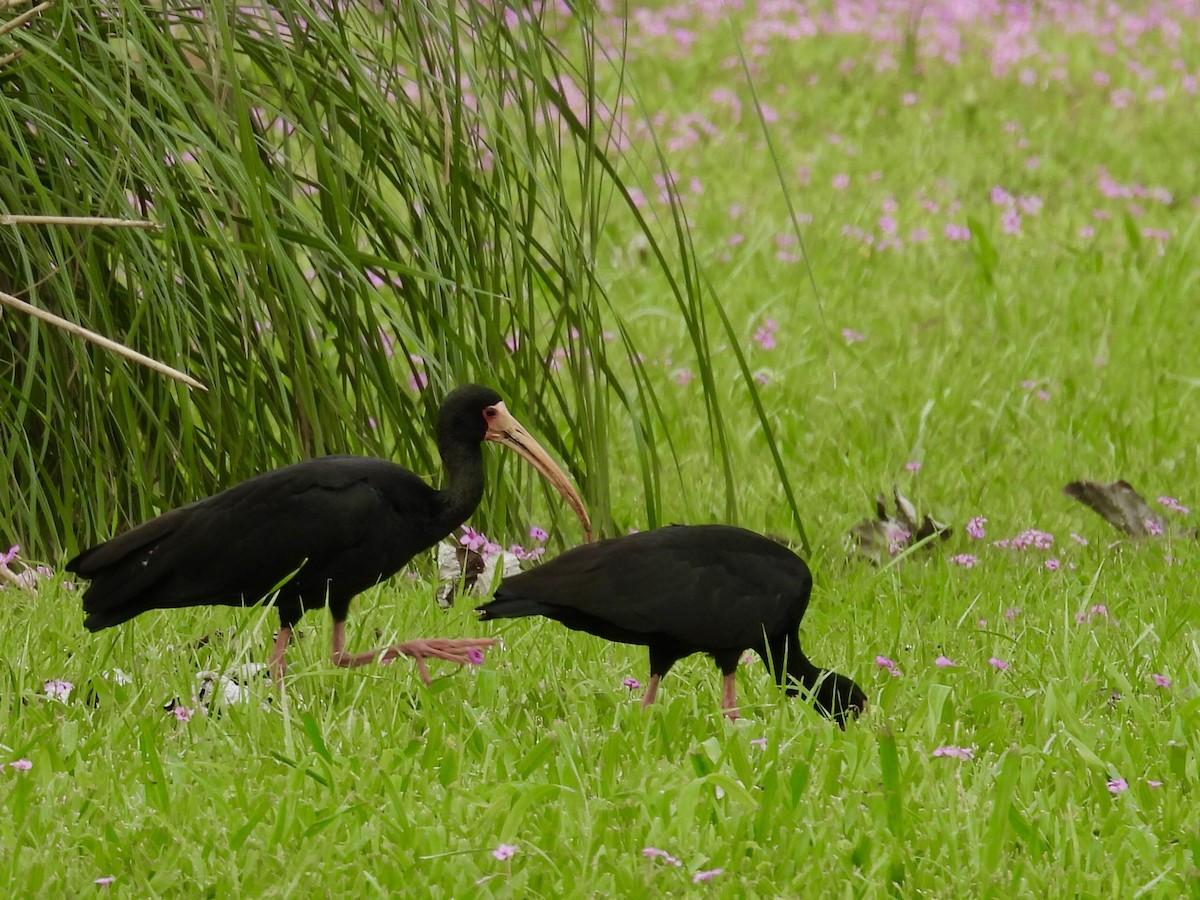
{"points": [[318, 532], [681, 590]]}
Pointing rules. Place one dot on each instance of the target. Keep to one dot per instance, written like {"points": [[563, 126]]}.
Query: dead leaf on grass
{"points": [[887, 535], [458, 564], [1119, 505]]}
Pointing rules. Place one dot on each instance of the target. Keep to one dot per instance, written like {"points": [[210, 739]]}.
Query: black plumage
{"points": [[318, 532], [681, 590]]}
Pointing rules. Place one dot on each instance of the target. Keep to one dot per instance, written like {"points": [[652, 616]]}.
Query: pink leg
{"points": [[277, 665], [339, 655], [456, 650], [651, 690], [729, 697]]}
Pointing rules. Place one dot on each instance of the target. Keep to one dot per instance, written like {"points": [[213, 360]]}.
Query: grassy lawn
{"points": [[1000, 216]]}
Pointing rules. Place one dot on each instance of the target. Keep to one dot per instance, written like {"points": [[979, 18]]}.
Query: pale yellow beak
{"points": [[504, 429]]}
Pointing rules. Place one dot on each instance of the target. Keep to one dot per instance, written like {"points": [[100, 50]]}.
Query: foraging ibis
{"points": [[681, 590], [318, 532]]}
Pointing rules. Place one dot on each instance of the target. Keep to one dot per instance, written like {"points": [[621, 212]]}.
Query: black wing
{"points": [[341, 517], [702, 586]]}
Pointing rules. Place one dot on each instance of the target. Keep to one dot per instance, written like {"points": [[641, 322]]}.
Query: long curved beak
{"points": [[504, 429]]}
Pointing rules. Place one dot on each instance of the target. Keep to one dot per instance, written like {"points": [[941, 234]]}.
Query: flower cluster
{"points": [[765, 336], [478, 541], [487, 548], [1029, 538], [28, 576], [56, 689], [1172, 504], [1096, 611]]}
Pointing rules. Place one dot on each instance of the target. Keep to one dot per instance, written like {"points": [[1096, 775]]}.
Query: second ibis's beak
{"points": [[504, 429]]}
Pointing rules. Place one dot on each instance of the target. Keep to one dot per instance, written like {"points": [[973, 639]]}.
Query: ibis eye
{"points": [[490, 412]]}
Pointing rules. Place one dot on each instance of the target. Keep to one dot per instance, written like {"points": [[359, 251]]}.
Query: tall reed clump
{"points": [[361, 206]]}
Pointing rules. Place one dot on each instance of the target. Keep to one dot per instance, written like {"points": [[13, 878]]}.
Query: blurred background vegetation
{"points": [[361, 206]]}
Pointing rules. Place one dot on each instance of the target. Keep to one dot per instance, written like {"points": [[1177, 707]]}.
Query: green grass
{"points": [[367, 783]]}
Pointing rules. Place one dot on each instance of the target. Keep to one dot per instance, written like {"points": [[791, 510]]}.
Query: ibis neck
{"points": [[800, 668], [463, 488], [828, 690]]}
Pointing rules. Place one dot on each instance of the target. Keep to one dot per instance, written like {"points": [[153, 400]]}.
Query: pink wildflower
{"points": [[999, 664], [1117, 785], [653, 853], [884, 663], [944, 662], [472, 539], [976, 529], [504, 851], [58, 690], [707, 876], [952, 752], [1161, 681]]}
